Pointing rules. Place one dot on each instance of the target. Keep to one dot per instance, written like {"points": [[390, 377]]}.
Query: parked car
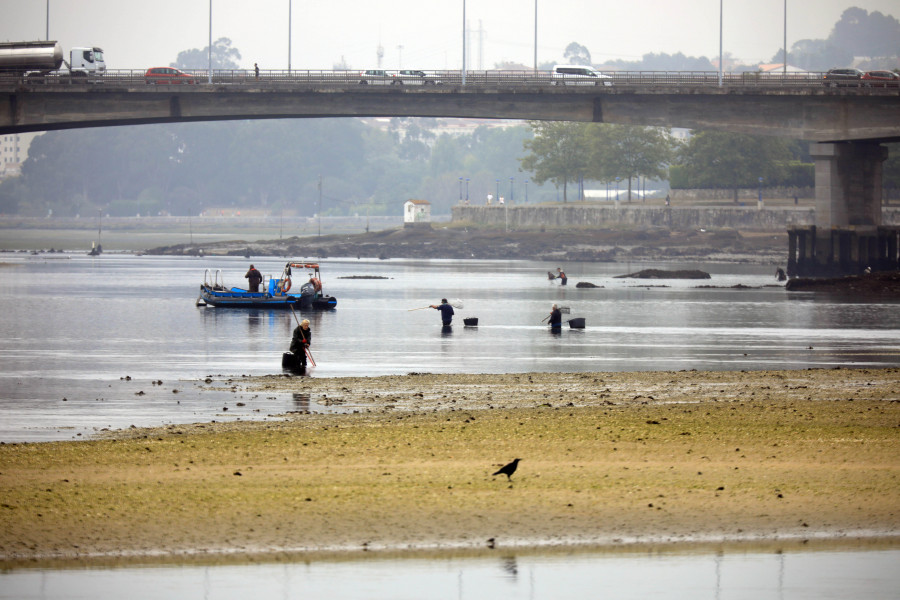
{"points": [[880, 79], [167, 75], [842, 77], [414, 77], [376, 77], [578, 75]]}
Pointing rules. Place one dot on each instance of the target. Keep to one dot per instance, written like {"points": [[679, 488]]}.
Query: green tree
{"points": [[223, 57], [559, 153], [576, 54], [628, 151], [731, 160], [867, 34]]}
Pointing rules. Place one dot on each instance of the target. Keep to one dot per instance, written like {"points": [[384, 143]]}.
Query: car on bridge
{"points": [[376, 77], [578, 75], [168, 76], [880, 79], [415, 77], [842, 77]]}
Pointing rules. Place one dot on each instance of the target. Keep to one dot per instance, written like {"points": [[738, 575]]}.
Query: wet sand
{"points": [[609, 459]]}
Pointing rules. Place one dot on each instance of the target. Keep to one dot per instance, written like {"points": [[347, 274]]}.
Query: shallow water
{"points": [[780, 575], [85, 342], [89, 343]]}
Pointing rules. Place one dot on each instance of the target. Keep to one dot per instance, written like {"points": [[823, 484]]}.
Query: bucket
{"points": [[577, 323], [471, 321]]}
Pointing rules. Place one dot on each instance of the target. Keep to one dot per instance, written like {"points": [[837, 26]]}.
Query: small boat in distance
{"points": [[275, 294]]}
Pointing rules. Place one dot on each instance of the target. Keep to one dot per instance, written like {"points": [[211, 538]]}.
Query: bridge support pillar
{"points": [[848, 207]]}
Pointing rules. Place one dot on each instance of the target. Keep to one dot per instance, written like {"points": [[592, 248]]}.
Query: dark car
{"points": [[845, 77], [880, 79], [167, 75]]}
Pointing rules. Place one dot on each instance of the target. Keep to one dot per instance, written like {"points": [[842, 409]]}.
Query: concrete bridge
{"points": [[846, 126]]}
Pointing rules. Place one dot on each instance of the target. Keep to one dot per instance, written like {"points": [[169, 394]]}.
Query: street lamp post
{"points": [[209, 53], [526, 191], [460, 190], [617, 189], [464, 44], [467, 190], [720, 43], [759, 200], [289, 37], [498, 190], [511, 182]]}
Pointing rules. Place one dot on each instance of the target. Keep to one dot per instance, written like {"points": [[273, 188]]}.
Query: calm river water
{"points": [[107, 342], [74, 329]]}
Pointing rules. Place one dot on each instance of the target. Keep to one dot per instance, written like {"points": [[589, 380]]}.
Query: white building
{"points": [[417, 211], [13, 152]]}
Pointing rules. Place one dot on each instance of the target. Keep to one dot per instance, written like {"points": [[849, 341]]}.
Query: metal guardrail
{"points": [[321, 79]]}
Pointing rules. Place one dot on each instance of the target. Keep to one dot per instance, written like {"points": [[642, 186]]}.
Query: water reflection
{"points": [[739, 572]]}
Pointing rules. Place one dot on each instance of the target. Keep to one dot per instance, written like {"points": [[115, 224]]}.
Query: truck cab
{"points": [[86, 61]]}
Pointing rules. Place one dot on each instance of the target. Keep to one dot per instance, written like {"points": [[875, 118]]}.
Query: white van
{"points": [[578, 75]]}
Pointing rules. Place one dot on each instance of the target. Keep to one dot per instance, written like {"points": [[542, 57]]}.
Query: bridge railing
{"points": [[318, 79]]}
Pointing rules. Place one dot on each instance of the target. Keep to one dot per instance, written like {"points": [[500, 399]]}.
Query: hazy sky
{"points": [[136, 34]]}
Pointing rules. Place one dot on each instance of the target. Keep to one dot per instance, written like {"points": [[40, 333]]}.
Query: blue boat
{"points": [[276, 294]]}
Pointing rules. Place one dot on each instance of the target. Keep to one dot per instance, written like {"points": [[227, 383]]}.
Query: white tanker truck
{"points": [[42, 58]]}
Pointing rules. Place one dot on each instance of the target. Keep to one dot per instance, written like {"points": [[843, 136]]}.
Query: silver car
{"points": [[415, 77], [376, 77]]}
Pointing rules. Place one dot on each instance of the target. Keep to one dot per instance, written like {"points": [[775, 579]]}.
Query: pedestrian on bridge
{"points": [[256, 70]]}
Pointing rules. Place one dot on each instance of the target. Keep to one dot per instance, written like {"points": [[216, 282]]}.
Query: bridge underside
{"points": [[814, 117], [847, 128]]}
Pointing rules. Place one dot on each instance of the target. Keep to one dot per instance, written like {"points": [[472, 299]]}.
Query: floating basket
{"points": [[577, 323], [471, 321]]}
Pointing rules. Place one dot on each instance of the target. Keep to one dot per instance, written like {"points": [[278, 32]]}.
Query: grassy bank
{"points": [[607, 459]]}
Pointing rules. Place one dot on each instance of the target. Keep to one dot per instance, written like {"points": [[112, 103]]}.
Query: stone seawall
{"points": [[644, 217]]}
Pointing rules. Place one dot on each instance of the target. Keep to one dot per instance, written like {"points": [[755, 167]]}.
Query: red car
{"points": [[880, 79], [167, 75]]}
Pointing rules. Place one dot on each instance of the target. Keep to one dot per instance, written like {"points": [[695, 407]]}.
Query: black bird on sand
{"points": [[509, 469]]}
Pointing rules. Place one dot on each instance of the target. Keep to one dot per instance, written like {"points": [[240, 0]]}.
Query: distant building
{"points": [[13, 152], [780, 68], [417, 211]]}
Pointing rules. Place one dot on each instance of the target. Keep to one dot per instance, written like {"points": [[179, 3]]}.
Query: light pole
{"points": [[759, 201], [460, 190], [720, 43], [617, 188], [209, 53], [289, 37], [48, 20], [464, 44], [400, 56], [784, 48], [535, 35], [498, 190], [511, 181], [526, 191], [467, 190]]}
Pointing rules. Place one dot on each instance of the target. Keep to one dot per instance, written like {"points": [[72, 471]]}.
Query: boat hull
{"points": [[235, 298]]}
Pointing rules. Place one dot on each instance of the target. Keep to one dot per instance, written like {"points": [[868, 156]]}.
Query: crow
{"points": [[509, 469]]}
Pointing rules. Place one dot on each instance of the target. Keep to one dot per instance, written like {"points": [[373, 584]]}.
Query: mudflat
{"points": [[607, 459]]}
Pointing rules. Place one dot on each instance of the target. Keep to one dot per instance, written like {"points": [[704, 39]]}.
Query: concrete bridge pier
{"points": [[845, 239]]}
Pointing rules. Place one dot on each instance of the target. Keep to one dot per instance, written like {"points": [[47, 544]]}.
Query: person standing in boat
{"points": [[300, 341], [255, 278], [555, 319], [446, 311], [317, 285]]}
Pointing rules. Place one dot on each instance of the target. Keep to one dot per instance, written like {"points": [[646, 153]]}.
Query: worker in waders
{"points": [[300, 342], [555, 319], [446, 311]]}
